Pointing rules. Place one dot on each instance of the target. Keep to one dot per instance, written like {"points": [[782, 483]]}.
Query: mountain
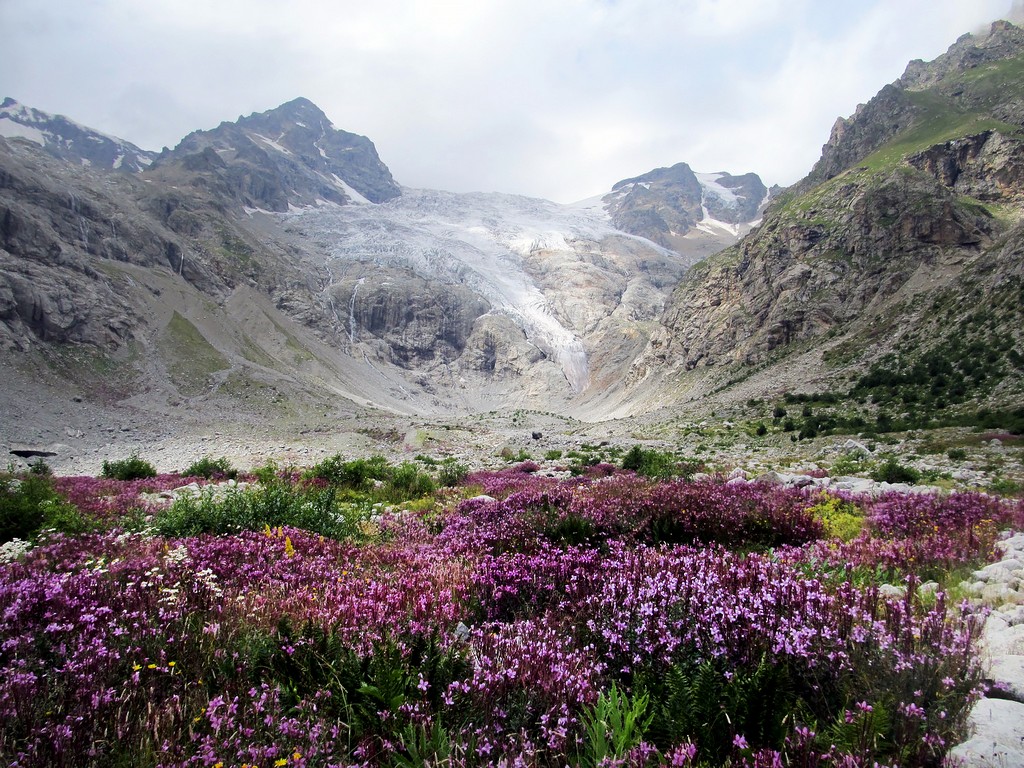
{"points": [[288, 156], [665, 204], [67, 140], [899, 253], [271, 268]]}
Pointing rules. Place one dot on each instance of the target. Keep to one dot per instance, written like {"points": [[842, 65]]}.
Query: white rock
{"points": [[852, 447], [996, 736], [1013, 614], [998, 593], [1008, 673], [928, 588], [1003, 640], [892, 590], [994, 573]]}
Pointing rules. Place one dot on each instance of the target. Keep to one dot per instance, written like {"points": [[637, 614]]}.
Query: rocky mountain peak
{"points": [[667, 204], [68, 140], [975, 85], [1003, 41], [291, 155]]}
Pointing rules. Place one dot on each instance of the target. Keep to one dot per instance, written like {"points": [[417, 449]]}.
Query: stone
{"points": [[1003, 640], [1008, 673], [892, 590], [995, 742], [998, 592], [854, 448]]}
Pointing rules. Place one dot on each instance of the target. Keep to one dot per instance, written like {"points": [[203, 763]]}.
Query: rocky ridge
{"points": [[65, 139], [914, 206]]}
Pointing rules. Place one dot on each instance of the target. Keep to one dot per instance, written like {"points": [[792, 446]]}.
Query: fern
{"points": [[705, 703]]}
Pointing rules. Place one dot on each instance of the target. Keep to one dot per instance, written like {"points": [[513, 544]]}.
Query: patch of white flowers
{"points": [[13, 549]]}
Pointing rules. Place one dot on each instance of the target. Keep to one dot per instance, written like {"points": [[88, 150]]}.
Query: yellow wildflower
{"points": [[289, 550]]}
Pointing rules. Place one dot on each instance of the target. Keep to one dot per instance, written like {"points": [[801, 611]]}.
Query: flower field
{"points": [[513, 619]]}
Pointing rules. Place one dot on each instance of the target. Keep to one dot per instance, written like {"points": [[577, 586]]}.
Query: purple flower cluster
{"points": [[109, 501], [485, 633]]}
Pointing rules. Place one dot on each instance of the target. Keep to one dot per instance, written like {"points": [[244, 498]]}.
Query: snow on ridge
{"points": [[273, 144], [353, 195], [709, 183], [10, 129]]}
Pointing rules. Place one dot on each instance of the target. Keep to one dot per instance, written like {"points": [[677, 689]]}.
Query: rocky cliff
{"points": [[914, 206]]}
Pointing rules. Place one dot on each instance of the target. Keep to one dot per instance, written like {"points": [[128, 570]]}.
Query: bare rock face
{"points": [[928, 90], [657, 204], [291, 155], [56, 224], [902, 213], [806, 272], [67, 140], [419, 321], [986, 166], [665, 204]]}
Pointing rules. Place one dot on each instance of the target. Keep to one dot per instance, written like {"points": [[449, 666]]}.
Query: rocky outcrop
{"points": [[665, 204], [987, 166], [419, 321], [57, 224], [807, 272], [932, 94], [67, 140], [885, 226], [291, 155]]}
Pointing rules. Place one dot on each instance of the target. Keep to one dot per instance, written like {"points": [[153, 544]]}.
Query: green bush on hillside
{"points": [[132, 468]]}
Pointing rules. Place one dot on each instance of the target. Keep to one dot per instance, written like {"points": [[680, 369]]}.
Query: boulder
{"points": [[996, 736]]}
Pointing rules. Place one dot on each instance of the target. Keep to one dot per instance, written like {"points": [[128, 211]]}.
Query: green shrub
{"points": [[357, 474], [277, 503], [132, 468], [654, 463], [406, 482], [452, 473], [40, 467], [841, 519], [211, 468], [553, 455], [956, 454], [30, 504], [699, 702], [894, 472]]}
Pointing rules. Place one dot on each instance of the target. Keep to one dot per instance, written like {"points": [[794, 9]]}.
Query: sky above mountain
{"points": [[549, 98]]}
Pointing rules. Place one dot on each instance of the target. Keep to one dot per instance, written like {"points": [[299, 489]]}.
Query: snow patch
{"points": [[353, 195], [12, 130], [273, 144], [710, 185]]}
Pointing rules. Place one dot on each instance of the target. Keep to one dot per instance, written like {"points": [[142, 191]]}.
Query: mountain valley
{"points": [[269, 278]]}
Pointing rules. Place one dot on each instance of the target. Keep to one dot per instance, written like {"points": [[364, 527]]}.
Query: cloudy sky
{"points": [[550, 98]]}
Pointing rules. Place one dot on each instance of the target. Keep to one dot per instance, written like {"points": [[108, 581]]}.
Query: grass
{"points": [[939, 120], [191, 359]]}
